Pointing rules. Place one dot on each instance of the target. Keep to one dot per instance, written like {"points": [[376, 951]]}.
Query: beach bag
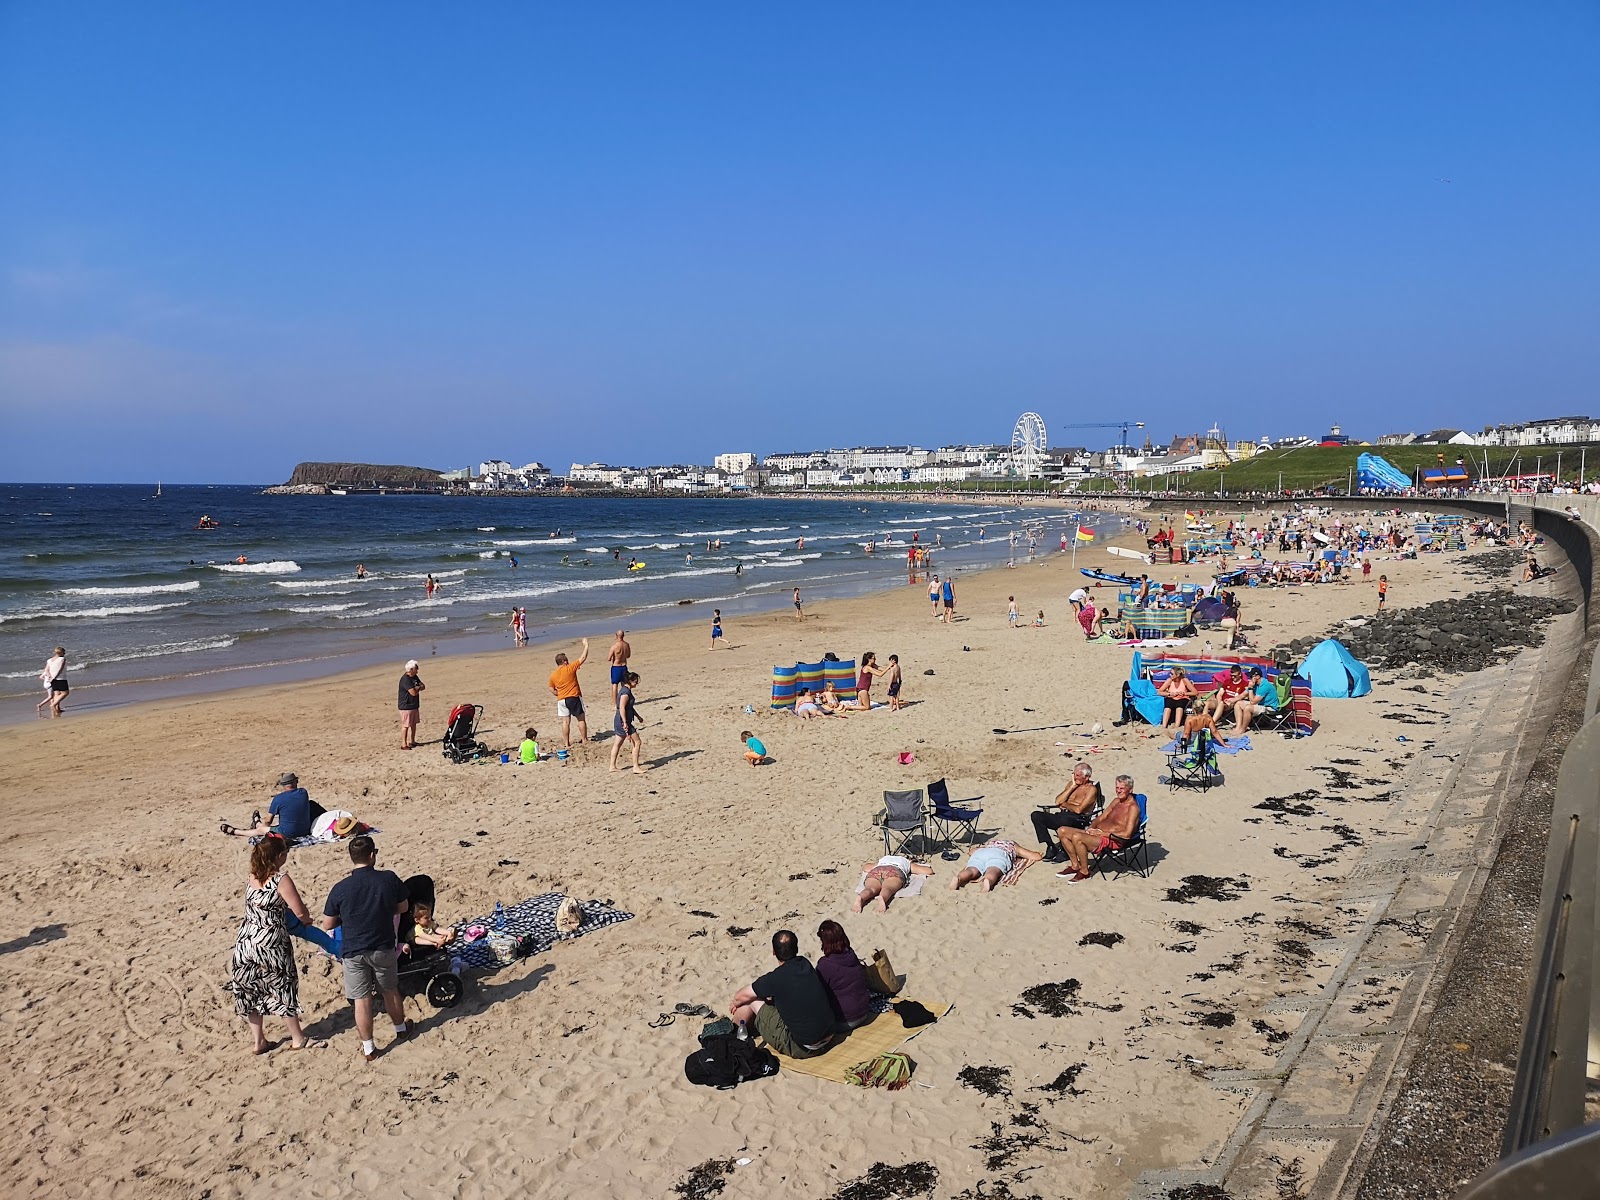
{"points": [[507, 947], [726, 1062], [569, 916], [880, 975], [721, 1027]]}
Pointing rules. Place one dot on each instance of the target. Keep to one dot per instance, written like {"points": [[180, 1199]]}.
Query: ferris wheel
{"points": [[1028, 444]]}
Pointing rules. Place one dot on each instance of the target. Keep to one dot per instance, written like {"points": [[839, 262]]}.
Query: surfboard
{"points": [[1118, 550]]}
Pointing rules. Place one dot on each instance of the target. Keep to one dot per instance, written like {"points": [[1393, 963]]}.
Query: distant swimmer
{"points": [[738, 568], [513, 562], [616, 556], [869, 547], [800, 543], [431, 586], [361, 570], [632, 562], [566, 560], [241, 560], [688, 559]]}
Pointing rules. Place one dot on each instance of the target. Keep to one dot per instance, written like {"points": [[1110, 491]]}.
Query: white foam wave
{"points": [[486, 529], [311, 583], [488, 554], [431, 621], [166, 648], [154, 589], [768, 541], [77, 666], [711, 533], [320, 595], [768, 528], [597, 549], [320, 608], [656, 546], [283, 567], [128, 610], [558, 541]]}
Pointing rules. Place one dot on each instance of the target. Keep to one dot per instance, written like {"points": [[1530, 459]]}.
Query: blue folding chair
{"points": [[1134, 855], [946, 820]]}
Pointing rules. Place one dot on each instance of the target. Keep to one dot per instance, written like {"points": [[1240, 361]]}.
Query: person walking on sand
{"points": [[617, 656], [625, 722], [716, 627], [1012, 616], [1383, 591], [933, 595], [799, 613], [569, 697], [411, 689], [54, 678], [365, 905]]}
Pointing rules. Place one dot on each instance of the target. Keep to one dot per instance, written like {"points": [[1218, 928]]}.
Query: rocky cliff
{"points": [[361, 475]]}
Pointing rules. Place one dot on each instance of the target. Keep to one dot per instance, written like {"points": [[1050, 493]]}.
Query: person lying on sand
{"points": [[1111, 830], [992, 862], [884, 878], [805, 707]]}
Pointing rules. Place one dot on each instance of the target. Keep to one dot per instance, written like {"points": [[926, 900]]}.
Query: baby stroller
{"points": [[461, 742], [426, 970]]}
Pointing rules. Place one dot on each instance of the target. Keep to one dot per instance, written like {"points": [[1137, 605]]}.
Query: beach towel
{"points": [[913, 886], [535, 920], [1231, 746], [883, 1035]]}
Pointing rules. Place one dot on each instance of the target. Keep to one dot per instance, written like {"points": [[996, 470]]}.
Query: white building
{"points": [[595, 473], [796, 460], [734, 464], [1552, 431]]}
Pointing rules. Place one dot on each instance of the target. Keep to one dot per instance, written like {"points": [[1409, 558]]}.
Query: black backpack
{"points": [[725, 1062]]}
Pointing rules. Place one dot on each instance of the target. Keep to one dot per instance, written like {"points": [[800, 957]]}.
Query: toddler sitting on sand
{"points": [[754, 752], [529, 751]]}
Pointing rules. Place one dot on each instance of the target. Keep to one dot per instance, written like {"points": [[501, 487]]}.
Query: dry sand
{"points": [[130, 1075]]}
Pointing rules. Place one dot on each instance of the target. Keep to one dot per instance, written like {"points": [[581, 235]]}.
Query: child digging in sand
{"points": [[754, 752], [884, 878]]}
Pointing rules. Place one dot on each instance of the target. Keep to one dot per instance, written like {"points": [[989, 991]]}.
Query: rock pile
{"points": [[1456, 636]]}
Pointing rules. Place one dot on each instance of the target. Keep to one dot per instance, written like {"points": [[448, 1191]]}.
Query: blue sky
{"points": [[235, 237]]}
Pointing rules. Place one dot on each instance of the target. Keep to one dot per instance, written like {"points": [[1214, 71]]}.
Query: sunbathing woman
{"points": [[1177, 694], [1111, 830], [884, 878], [992, 862]]}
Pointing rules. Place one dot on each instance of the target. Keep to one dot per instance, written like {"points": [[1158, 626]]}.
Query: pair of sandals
{"points": [[681, 1010], [255, 823]]}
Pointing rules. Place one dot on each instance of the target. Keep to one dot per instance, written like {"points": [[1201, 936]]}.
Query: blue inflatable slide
{"points": [[1380, 475]]}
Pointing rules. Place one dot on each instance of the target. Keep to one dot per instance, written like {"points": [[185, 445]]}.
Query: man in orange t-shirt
{"points": [[569, 697]]}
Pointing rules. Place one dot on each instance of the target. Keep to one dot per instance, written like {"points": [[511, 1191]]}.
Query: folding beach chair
{"points": [[1281, 719], [903, 818], [1193, 763], [946, 821], [1135, 856]]}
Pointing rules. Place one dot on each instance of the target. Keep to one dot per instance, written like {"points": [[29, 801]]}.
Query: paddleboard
{"points": [[636, 567], [1106, 576], [1118, 550]]}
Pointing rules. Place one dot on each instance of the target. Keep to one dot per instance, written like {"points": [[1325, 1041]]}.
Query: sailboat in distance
{"points": [[158, 489]]}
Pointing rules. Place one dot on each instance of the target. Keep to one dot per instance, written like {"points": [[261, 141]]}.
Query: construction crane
{"points": [[1122, 425]]}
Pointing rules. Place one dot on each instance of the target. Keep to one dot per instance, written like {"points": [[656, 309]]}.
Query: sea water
{"points": [[140, 595]]}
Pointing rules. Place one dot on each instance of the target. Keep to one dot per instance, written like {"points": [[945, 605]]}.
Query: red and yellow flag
{"points": [[1085, 535]]}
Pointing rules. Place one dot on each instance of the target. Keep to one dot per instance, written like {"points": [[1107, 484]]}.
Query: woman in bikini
{"points": [[884, 878]]}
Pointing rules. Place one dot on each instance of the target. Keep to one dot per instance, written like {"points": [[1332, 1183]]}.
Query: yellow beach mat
{"points": [[881, 1035]]}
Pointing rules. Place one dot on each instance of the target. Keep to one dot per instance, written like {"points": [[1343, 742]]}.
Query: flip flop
{"points": [[662, 1021], [693, 1010], [308, 1044], [228, 830]]}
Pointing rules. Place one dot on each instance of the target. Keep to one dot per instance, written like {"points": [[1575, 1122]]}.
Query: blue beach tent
{"points": [[1334, 672]]}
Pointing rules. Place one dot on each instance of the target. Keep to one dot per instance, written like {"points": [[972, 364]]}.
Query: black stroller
{"points": [[461, 742], [426, 970]]}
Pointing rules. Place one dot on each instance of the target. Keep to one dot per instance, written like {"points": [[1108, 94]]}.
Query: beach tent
{"points": [[1380, 475], [1334, 672], [787, 681]]}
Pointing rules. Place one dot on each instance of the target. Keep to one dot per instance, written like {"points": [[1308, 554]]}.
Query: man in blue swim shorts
{"points": [[618, 658]]}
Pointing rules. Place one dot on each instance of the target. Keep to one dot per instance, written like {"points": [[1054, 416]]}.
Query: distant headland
{"points": [[321, 478]]}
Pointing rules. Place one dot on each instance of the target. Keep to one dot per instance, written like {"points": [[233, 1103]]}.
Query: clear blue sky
{"points": [[233, 237]]}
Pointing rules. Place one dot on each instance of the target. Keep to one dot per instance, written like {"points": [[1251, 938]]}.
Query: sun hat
{"points": [[345, 826], [288, 779], [412, 664]]}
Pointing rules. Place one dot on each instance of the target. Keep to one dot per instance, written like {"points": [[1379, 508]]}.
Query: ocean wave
{"points": [[284, 567], [657, 546], [597, 549], [159, 651], [76, 666], [486, 529], [72, 614], [431, 621], [319, 608], [314, 583], [555, 541], [320, 595], [768, 528], [154, 589], [768, 541], [711, 533]]}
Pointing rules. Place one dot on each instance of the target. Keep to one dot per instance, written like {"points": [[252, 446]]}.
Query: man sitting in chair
{"points": [[1111, 830], [1231, 687], [1262, 697], [788, 1006], [1074, 808]]}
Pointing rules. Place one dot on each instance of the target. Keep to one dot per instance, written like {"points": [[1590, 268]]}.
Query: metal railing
{"points": [[1546, 1149]]}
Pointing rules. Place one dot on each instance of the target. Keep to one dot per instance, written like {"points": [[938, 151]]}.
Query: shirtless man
{"points": [[1075, 807], [1111, 830], [618, 658]]}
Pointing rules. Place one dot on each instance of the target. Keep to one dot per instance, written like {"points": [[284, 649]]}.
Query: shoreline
{"points": [[220, 681]]}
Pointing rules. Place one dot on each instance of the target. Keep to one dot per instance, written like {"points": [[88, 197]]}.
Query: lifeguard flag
{"points": [[1085, 535], [1188, 514]]}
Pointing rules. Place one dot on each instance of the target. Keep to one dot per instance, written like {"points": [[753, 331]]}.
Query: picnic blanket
{"points": [[879, 1036], [913, 885], [535, 919], [1230, 746]]}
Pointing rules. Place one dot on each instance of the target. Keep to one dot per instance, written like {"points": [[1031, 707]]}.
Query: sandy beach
{"points": [[132, 1077]]}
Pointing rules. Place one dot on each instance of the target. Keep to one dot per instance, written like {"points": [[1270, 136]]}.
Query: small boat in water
{"points": [[338, 492]]}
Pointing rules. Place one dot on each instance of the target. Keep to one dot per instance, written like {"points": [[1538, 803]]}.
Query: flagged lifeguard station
{"points": [[1334, 672]]}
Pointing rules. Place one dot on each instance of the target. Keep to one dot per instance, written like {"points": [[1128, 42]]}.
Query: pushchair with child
{"points": [[461, 742], [426, 970]]}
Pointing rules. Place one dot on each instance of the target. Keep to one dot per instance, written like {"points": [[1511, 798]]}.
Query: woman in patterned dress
{"points": [[263, 978]]}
